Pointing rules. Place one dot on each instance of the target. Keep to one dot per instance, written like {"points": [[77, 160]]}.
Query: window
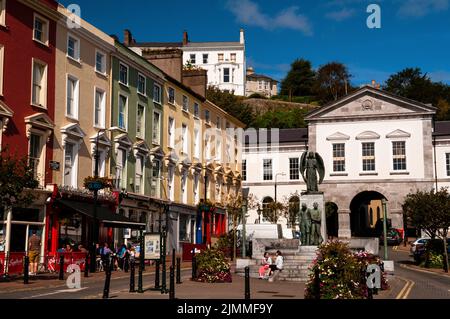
{"points": [[368, 156], [205, 58], [140, 121], [69, 165], [339, 157], [157, 93], [35, 154], [121, 168], [171, 132], [39, 94], [40, 29], [267, 170], [207, 116], [123, 102], [184, 138], [99, 110], [156, 172], [260, 85], [220, 57], [123, 74], [171, 190], [141, 87], [233, 57], [73, 47], [207, 146], [399, 155], [226, 75], [2, 59], [196, 109], [138, 180], [196, 188], [183, 187], [244, 170], [156, 128], [100, 62], [294, 168], [447, 163], [218, 148], [2, 12], [185, 103], [192, 58], [196, 143], [72, 97], [101, 163], [171, 92], [218, 123], [185, 227]]}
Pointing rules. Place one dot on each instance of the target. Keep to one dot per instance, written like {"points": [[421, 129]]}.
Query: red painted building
{"points": [[27, 106]]}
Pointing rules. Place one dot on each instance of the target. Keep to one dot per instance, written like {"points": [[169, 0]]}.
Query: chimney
{"points": [[373, 83], [127, 37], [185, 38], [242, 37], [250, 71]]}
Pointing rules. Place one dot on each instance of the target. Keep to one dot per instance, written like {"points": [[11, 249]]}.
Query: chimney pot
{"points": [[185, 38], [127, 37]]}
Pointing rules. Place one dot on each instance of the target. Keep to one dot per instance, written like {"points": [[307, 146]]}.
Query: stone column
{"points": [[344, 224]]}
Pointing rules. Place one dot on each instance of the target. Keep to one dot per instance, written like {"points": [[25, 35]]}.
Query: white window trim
{"points": [[42, 157], [103, 111], [197, 142], [159, 97], [2, 66], [128, 73], [76, 98], [332, 171], [76, 149], [47, 29], [368, 157], [145, 85], [142, 189], [126, 111], [45, 84], [394, 171], [143, 120], [447, 173], [77, 57], [184, 139], [171, 137], [159, 126], [124, 168], [196, 116], [174, 96], [182, 106], [105, 63], [271, 164], [3, 14]]}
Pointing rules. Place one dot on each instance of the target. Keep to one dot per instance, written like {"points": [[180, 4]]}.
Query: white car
{"points": [[418, 242]]}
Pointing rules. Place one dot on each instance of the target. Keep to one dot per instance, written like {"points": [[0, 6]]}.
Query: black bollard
{"points": [[61, 267], [247, 282], [126, 263], [157, 274], [132, 277], [140, 288], [178, 270], [26, 269], [317, 283], [172, 283], [173, 258], [109, 268], [86, 266], [194, 265]]}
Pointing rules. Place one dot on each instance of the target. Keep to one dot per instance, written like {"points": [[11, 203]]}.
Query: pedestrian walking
{"points": [[34, 249]]}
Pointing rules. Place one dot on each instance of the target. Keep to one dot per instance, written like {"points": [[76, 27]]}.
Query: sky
{"points": [[413, 33]]}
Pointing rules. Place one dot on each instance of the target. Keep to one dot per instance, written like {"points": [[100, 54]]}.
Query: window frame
{"points": [[156, 85], [77, 49], [141, 76], [185, 103], [294, 169], [74, 167], [43, 86], [128, 73], [3, 13], [125, 113], [45, 32], [244, 169], [197, 143], [142, 166], [338, 161], [233, 55], [224, 75], [192, 60], [447, 163], [184, 138], [2, 67], [76, 97], [97, 51], [220, 57], [266, 163], [158, 128], [171, 132], [398, 157], [203, 58], [366, 158], [207, 118], [171, 89], [196, 109], [102, 108], [142, 134]]}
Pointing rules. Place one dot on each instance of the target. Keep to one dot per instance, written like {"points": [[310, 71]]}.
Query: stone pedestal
{"points": [[309, 199]]}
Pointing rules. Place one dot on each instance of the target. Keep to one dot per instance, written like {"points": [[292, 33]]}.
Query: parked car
{"points": [[419, 253], [393, 237], [418, 242]]}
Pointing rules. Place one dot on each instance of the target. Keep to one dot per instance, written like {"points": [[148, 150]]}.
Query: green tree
{"points": [[232, 104], [430, 211], [292, 118], [300, 79], [332, 82], [16, 176]]}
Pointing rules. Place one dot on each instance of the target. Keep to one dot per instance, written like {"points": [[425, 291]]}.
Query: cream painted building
{"points": [[82, 100], [260, 84]]}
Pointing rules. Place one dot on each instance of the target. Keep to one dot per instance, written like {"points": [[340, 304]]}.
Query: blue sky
{"points": [[413, 33]]}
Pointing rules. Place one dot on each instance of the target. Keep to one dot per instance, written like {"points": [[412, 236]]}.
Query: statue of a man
{"points": [[316, 218], [305, 225], [311, 163]]}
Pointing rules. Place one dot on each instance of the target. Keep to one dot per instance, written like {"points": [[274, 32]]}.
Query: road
{"points": [[422, 285]]}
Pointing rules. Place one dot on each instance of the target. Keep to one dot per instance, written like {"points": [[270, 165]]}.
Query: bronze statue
{"points": [[316, 218], [311, 163], [305, 225]]}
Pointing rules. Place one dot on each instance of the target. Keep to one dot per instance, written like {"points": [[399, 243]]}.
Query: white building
{"points": [[375, 146], [224, 61]]}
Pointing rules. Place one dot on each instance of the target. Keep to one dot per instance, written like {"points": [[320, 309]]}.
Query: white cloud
{"points": [[341, 14], [249, 13], [420, 8]]}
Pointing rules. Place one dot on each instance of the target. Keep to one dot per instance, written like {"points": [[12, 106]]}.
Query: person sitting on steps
{"points": [[265, 266], [277, 267]]}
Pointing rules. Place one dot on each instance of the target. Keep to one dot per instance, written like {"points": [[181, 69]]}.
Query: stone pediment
{"points": [[141, 147], [40, 120], [123, 140], [73, 130], [5, 114], [338, 136], [369, 102], [102, 139], [398, 134], [368, 135], [157, 152]]}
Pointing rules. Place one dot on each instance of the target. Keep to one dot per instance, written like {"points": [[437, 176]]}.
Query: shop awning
{"points": [[104, 214]]}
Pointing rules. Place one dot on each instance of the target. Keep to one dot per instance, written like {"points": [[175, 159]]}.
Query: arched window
{"points": [[265, 204]]}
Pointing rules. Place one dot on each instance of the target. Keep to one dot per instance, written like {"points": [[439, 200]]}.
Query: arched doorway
{"points": [[331, 211], [365, 214], [266, 208]]}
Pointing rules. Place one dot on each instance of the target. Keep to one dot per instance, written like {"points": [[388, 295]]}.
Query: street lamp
{"points": [[259, 210], [276, 175], [383, 202]]}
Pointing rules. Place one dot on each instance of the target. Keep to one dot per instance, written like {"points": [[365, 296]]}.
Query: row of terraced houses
{"points": [[69, 94]]}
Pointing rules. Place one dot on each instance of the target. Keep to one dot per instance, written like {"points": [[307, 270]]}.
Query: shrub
{"points": [[341, 272], [212, 266]]}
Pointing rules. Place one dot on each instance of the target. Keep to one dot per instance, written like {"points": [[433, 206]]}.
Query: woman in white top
{"points": [[265, 265], [278, 262]]}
